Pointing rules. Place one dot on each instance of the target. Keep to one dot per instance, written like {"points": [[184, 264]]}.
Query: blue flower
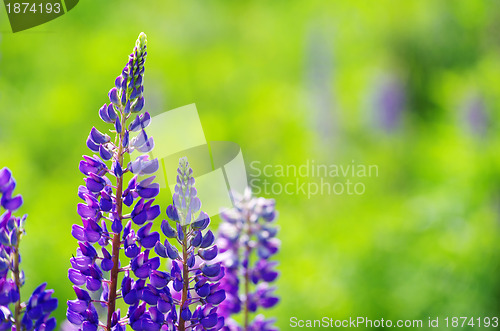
{"points": [[106, 195], [246, 242], [192, 308], [118, 214], [40, 304]]}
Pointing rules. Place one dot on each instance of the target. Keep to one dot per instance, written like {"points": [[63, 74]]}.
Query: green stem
{"points": [[16, 271], [185, 278], [115, 255], [246, 311]]}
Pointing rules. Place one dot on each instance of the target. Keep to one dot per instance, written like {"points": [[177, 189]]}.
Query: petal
{"points": [[149, 192], [209, 253], [78, 306], [172, 213], [74, 317], [186, 314], [167, 229], [77, 232], [140, 218], [103, 114], [160, 250], [91, 145], [153, 212], [159, 279], [104, 153], [145, 120], [138, 105], [76, 277], [132, 251], [209, 321], [151, 240], [117, 226], [204, 290], [5, 176], [208, 239], [13, 204], [172, 251], [113, 95], [135, 125], [142, 272], [85, 211], [216, 297], [196, 241], [93, 284], [111, 113], [211, 270], [118, 125], [147, 147], [131, 298], [150, 167], [98, 137]]}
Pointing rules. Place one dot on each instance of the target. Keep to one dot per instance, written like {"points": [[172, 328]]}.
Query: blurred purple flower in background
{"points": [[319, 79], [35, 313], [247, 240], [476, 117], [390, 102]]}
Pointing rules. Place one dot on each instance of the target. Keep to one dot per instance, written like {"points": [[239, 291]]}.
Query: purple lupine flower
{"points": [[40, 305], [247, 240], [476, 114], [390, 103], [195, 288], [107, 195]]}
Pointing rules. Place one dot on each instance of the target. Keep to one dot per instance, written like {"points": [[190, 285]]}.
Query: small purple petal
{"points": [[209, 321], [147, 147], [13, 204], [76, 277], [216, 297], [91, 145], [112, 113], [103, 114], [208, 239], [209, 253], [167, 229], [98, 137], [113, 96], [118, 125], [211, 270], [138, 105]]}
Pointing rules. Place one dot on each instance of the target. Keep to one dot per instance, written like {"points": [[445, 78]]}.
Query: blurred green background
{"points": [[410, 86]]}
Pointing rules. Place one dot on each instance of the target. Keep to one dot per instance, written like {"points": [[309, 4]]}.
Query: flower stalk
{"points": [[186, 297], [248, 251], [17, 280], [195, 278], [116, 244], [185, 279], [34, 314], [247, 233], [106, 195]]}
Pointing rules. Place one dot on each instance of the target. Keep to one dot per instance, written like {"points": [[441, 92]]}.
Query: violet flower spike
{"points": [[195, 286], [247, 240], [106, 195], [35, 313]]}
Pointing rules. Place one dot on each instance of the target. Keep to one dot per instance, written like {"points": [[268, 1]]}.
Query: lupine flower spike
{"points": [[102, 236], [35, 313], [195, 286], [247, 240]]}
